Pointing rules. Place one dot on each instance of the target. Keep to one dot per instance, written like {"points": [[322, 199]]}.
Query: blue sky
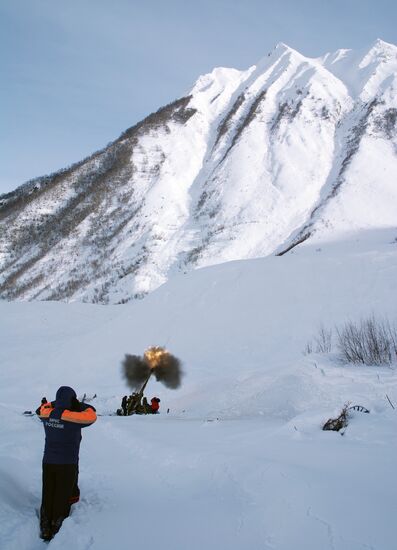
{"points": [[76, 73]]}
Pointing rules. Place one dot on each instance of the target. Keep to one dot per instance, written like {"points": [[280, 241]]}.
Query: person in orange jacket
{"points": [[155, 405], [62, 420]]}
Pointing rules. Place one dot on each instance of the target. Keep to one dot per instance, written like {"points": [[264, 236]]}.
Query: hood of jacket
{"points": [[64, 397]]}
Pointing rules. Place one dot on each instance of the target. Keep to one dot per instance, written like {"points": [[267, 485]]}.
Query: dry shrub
{"points": [[370, 342], [336, 424]]}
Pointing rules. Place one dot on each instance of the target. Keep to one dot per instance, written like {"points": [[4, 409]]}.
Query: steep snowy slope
{"points": [[248, 164], [240, 460], [360, 191]]}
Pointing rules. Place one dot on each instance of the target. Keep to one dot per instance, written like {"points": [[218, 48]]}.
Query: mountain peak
{"points": [[378, 54], [281, 48], [380, 50], [380, 44]]}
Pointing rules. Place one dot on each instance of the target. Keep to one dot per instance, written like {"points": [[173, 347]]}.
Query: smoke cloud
{"points": [[169, 371], [135, 370], [157, 361]]}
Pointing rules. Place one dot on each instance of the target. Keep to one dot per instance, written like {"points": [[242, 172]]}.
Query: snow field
{"points": [[240, 461], [221, 484]]}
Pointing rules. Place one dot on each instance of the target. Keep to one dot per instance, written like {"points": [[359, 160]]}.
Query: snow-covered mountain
{"points": [[247, 164]]}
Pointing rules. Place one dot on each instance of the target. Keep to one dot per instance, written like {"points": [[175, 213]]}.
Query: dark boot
{"points": [[45, 528], [56, 525]]}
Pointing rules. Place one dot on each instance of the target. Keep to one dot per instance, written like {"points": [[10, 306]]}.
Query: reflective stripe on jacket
{"points": [[63, 431]]}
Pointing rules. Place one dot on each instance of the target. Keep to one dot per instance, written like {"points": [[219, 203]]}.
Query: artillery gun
{"points": [[138, 370], [136, 403]]}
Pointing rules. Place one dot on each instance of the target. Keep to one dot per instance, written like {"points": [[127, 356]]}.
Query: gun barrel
{"points": [[145, 384]]}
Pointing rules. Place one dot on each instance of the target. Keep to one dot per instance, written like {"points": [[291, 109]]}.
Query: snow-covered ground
{"points": [[240, 461]]}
